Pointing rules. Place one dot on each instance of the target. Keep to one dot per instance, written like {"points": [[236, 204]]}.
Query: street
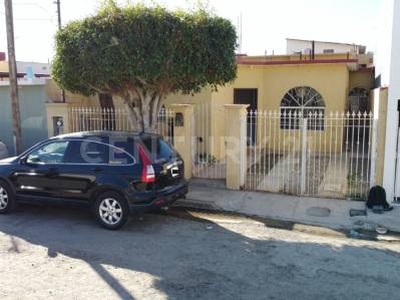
{"points": [[54, 253]]}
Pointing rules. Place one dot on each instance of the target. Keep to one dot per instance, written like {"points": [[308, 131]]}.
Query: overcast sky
{"points": [[265, 23]]}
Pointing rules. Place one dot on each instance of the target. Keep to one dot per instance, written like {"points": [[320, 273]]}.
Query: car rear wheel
{"points": [[111, 210], [7, 199]]}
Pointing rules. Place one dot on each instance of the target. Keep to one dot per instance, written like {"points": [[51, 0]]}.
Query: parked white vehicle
{"points": [[3, 150]]}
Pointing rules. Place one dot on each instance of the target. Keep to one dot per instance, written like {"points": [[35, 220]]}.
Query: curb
{"points": [[362, 230], [197, 204]]}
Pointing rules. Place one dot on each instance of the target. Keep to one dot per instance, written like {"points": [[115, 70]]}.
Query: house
{"points": [[25, 70], [389, 77], [331, 91], [337, 82], [32, 97], [307, 47]]}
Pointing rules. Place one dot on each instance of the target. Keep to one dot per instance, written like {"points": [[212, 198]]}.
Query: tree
{"points": [[142, 54]]}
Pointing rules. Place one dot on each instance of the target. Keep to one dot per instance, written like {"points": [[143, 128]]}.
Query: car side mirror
{"points": [[23, 160]]}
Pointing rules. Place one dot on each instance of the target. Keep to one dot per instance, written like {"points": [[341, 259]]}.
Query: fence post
{"points": [[235, 145], [303, 171], [374, 148], [184, 134], [58, 118]]}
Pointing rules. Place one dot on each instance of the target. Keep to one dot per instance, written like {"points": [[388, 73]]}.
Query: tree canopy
{"points": [[142, 54]]}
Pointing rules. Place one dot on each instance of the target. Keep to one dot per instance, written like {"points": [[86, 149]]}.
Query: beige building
{"points": [[326, 83], [338, 82], [309, 127]]}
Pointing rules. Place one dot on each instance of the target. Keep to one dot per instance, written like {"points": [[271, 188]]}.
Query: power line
{"points": [[33, 4]]}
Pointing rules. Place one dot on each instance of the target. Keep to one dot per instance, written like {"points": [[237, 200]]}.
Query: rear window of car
{"points": [[93, 152], [159, 149]]}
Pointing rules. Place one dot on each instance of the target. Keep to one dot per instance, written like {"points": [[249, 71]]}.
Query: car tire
{"points": [[111, 210], [7, 198]]}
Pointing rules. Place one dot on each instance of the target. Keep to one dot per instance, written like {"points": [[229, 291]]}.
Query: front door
{"points": [[249, 97]]}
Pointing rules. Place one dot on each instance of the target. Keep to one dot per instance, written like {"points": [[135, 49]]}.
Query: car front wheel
{"points": [[111, 210], [7, 199]]}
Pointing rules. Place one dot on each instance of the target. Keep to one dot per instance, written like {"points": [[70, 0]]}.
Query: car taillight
{"points": [[148, 173]]}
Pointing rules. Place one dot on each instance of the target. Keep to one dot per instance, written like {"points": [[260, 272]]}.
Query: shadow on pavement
{"points": [[189, 259]]}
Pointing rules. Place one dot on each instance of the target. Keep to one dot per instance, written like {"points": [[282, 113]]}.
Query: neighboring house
{"points": [[296, 46], [32, 99], [389, 75], [25, 70], [53, 95]]}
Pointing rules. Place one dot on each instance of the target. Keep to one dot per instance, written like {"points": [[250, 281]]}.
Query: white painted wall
{"points": [[27, 67], [294, 45], [384, 42], [33, 67], [392, 114]]}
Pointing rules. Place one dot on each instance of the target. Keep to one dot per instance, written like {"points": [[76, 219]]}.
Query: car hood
{"points": [[8, 160]]}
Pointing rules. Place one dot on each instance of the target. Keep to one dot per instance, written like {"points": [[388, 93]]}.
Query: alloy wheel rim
{"points": [[3, 198], [110, 211]]}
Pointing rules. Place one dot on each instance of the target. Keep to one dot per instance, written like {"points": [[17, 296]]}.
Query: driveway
{"points": [[51, 253]]}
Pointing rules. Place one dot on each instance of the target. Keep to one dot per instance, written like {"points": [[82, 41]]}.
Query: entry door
{"points": [[248, 96]]}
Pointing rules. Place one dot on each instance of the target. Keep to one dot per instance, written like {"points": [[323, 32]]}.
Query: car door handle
{"points": [[97, 169]]}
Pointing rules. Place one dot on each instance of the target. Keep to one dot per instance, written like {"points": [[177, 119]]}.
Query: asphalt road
{"points": [[52, 253]]}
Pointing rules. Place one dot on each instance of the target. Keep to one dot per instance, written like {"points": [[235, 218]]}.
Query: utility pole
{"points": [[12, 71], [59, 13], [59, 27]]}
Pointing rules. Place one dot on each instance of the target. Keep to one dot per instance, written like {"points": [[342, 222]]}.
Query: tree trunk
{"points": [[108, 111], [142, 109]]}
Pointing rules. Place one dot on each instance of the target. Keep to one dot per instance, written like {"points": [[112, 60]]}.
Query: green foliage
{"points": [[147, 48]]}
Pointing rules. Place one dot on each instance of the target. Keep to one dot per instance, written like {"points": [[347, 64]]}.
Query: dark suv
{"points": [[113, 173]]}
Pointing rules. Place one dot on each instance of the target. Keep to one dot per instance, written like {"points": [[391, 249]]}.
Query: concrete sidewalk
{"points": [[332, 213]]}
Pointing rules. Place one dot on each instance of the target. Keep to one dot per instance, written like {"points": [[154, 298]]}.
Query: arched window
{"points": [[358, 100], [302, 102]]}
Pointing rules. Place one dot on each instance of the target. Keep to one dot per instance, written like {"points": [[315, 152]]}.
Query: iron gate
{"points": [[315, 153]]}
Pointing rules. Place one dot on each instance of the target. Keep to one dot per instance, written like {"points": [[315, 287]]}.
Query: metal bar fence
{"points": [[325, 155], [96, 118], [208, 163]]}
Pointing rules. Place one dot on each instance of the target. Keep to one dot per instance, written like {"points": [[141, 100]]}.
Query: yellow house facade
{"points": [[309, 125], [342, 82], [269, 82]]}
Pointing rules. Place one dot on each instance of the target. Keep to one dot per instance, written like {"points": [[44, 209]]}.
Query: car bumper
{"points": [[160, 198]]}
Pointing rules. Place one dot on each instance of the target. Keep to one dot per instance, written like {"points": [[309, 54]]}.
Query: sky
{"points": [[265, 23]]}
